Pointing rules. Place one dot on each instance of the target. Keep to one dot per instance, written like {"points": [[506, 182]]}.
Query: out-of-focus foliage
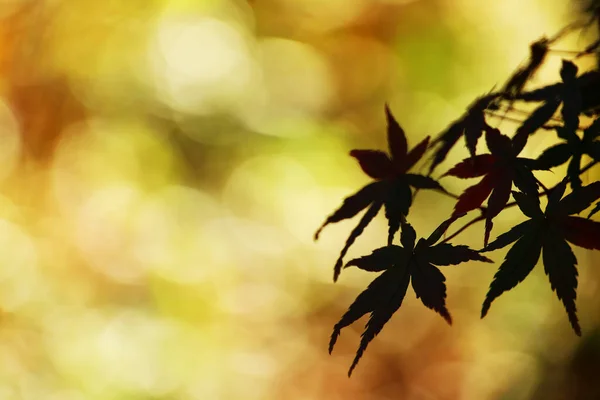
{"points": [[164, 165]]}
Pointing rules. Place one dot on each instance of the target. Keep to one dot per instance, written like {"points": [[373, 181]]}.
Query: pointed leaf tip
{"points": [[397, 143]]}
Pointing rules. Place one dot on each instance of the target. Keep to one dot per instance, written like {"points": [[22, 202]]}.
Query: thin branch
{"points": [[464, 228]]}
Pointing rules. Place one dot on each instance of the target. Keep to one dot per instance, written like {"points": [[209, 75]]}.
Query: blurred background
{"points": [[164, 165]]}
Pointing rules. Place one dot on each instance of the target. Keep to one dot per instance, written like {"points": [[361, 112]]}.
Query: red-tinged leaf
{"points": [[516, 233], [414, 155], [356, 232], [560, 266], [391, 300], [499, 145], [396, 137], [579, 200], [428, 284], [381, 259], [474, 196], [519, 262], [374, 163], [581, 232], [448, 254], [496, 204], [353, 205], [473, 167]]}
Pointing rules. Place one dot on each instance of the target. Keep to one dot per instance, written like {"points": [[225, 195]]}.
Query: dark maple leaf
{"points": [[548, 233], [391, 189], [569, 94], [573, 147], [402, 265], [472, 125], [516, 83], [500, 170]]}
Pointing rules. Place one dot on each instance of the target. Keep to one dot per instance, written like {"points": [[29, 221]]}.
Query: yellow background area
{"points": [[163, 168]]}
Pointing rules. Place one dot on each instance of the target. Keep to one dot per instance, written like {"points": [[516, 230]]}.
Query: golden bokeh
{"points": [[163, 168]]}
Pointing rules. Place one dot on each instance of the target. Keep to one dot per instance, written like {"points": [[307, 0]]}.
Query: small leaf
{"points": [[415, 154], [559, 264], [496, 204], [366, 302], [529, 205], [396, 137], [356, 232], [374, 163], [423, 182], [428, 284], [408, 237], [577, 201], [353, 205], [397, 204], [553, 156], [519, 262], [524, 179], [574, 170], [381, 315], [473, 167], [475, 195], [539, 117], [380, 259], [448, 254], [508, 237], [497, 143], [582, 232]]}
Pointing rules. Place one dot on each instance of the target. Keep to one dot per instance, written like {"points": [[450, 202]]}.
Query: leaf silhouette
{"points": [[500, 169], [548, 233], [573, 147], [402, 265], [472, 125], [391, 189]]}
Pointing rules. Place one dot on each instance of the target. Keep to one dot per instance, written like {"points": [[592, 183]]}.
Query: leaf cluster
{"points": [[548, 234]]}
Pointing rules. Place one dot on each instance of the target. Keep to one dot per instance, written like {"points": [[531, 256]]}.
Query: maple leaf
{"points": [[472, 125], [402, 265], [548, 233], [569, 94], [573, 147], [391, 189], [500, 170]]}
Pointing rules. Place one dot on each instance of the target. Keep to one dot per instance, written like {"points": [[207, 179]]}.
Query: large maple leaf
{"points": [[391, 189], [402, 265], [500, 170], [548, 233]]}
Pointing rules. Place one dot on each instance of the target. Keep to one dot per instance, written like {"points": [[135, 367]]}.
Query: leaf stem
{"points": [[465, 227]]}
